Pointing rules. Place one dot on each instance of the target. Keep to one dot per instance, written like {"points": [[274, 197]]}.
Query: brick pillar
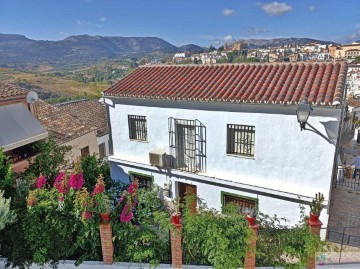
{"points": [[251, 253], [315, 227], [106, 243], [176, 250]]}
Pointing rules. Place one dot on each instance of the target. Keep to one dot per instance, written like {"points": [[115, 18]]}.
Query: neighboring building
{"points": [[68, 130], [181, 56], [19, 128], [229, 133], [91, 113]]}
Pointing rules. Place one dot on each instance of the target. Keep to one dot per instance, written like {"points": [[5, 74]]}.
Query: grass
{"points": [[49, 83]]}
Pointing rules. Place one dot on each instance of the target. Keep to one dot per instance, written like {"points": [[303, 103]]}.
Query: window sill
{"points": [[141, 141], [240, 156]]}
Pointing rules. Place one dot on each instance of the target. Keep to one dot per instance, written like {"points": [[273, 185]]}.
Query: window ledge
{"points": [[141, 141], [240, 156]]}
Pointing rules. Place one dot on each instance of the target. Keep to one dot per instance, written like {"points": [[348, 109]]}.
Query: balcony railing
{"points": [[345, 177]]}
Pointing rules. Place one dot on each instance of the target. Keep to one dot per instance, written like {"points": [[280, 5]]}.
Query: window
{"points": [[240, 140], [102, 150], [243, 203], [137, 127], [85, 151], [145, 181], [187, 145]]}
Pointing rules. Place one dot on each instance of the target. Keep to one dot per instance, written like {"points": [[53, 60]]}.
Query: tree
{"points": [[7, 216], [92, 168], [211, 48], [49, 161]]}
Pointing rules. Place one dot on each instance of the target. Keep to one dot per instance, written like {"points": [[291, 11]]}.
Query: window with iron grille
{"points": [[240, 140], [242, 203], [187, 139], [137, 127], [145, 181]]}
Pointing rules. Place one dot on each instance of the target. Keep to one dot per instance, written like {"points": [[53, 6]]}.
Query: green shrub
{"points": [[211, 238]]}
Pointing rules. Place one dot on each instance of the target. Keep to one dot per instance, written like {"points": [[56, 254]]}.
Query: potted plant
{"points": [[316, 207], [175, 216], [251, 214]]}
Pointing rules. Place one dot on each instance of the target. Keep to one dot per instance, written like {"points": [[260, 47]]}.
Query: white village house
{"points": [[229, 132]]}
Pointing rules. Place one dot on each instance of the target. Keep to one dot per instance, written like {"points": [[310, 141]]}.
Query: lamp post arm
{"points": [[314, 130]]}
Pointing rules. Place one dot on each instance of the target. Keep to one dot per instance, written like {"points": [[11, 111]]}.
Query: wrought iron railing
{"points": [[345, 177]]}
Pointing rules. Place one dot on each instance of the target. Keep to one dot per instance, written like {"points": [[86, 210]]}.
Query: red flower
{"points": [[41, 182], [86, 215], [76, 181]]}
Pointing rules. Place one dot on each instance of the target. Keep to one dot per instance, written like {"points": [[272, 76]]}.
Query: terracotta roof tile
{"points": [[90, 112], [10, 90], [60, 124], [322, 83]]}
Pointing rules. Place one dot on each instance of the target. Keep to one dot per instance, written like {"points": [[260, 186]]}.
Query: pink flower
{"points": [[80, 181], [61, 198], [132, 188], [76, 181], [98, 189], [126, 215], [59, 178], [41, 182], [86, 215], [72, 181]]}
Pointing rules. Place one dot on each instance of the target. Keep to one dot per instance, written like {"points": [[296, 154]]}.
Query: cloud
{"points": [[64, 33], [352, 37], [275, 8], [99, 25], [102, 19], [229, 38], [357, 25], [79, 22], [251, 31], [312, 8], [228, 12]]}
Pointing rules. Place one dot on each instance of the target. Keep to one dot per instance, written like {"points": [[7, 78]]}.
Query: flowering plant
{"points": [[129, 198], [101, 201]]}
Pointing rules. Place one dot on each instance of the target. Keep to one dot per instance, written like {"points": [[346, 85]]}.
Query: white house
{"points": [[228, 132]]}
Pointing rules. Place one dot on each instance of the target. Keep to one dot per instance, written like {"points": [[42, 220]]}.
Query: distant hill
{"points": [[191, 48], [17, 49], [276, 42]]}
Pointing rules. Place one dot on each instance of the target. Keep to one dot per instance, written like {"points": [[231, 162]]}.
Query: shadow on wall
{"points": [[118, 174], [331, 128]]}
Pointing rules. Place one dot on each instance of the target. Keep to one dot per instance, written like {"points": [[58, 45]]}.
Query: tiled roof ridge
{"points": [[277, 83], [71, 102], [11, 89]]}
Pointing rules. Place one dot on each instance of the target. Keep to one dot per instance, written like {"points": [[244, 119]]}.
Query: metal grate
{"points": [[240, 202], [137, 127], [240, 140], [187, 139]]}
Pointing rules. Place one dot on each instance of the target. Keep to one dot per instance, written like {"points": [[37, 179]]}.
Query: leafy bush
{"points": [[92, 168], [146, 237], [209, 237], [6, 176], [284, 246]]}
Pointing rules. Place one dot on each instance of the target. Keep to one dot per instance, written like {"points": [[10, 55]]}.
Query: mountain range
{"points": [[20, 50]]}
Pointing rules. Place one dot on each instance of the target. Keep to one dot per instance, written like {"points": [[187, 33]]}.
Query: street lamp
{"points": [[302, 112]]}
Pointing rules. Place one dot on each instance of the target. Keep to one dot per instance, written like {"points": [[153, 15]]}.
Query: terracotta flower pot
{"points": [[105, 218], [314, 218], [175, 219], [251, 220]]}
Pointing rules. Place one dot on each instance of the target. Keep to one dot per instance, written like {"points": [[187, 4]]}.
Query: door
{"points": [[184, 189], [185, 144]]}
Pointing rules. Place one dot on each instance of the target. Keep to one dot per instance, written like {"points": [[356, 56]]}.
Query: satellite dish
{"points": [[31, 97]]}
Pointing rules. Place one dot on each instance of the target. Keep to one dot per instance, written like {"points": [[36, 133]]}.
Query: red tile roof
{"points": [[321, 83], [11, 90]]}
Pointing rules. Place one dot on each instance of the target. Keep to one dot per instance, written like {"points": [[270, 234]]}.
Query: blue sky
{"points": [[202, 22]]}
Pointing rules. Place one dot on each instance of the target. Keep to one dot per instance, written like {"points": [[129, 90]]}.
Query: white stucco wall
{"points": [[286, 159], [104, 139]]}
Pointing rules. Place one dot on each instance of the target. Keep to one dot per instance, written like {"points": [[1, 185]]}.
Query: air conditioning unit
{"points": [[157, 158]]}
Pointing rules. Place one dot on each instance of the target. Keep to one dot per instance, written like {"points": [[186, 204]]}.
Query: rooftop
{"points": [[90, 112], [59, 123], [10, 90], [322, 83]]}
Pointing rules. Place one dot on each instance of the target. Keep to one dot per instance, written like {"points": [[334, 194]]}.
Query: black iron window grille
{"points": [[242, 204], [137, 127], [187, 139], [240, 140]]}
